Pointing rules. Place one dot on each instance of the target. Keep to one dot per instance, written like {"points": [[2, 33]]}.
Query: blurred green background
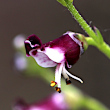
{"points": [[49, 20]]}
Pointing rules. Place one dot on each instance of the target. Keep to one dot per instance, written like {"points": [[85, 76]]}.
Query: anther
{"points": [[53, 83], [58, 89], [68, 81]]}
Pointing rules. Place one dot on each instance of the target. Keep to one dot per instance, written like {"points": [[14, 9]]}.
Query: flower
{"points": [[18, 41], [63, 52], [54, 102], [20, 62]]}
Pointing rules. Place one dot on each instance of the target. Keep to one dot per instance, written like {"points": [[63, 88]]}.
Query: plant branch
{"points": [[95, 38], [80, 20]]}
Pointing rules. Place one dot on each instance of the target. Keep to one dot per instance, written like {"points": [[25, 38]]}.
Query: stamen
{"points": [[56, 73], [58, 89], [64, 73], [74, 77], [68, 81], [66, 76], [59, 74], [53, 83]]}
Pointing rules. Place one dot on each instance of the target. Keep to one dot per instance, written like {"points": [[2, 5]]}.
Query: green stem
{"points": [[103, 47], [90, 41], [80, 20], [95, 38]]}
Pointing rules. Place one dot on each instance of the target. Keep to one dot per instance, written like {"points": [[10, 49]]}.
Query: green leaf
{"points": [[99, 36], [62, 2], [70, 1], [82, 38]]}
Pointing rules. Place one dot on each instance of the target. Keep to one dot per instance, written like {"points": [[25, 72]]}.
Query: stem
{"points": [[95, 39], [90, 41], [80, 20], [103, 47]]}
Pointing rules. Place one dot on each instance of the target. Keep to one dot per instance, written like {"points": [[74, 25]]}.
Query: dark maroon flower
{"points": [[54, 102], [63, 52]]}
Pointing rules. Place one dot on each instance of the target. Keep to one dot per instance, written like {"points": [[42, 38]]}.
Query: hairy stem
{"points": [[80, 20], [95, 38]]}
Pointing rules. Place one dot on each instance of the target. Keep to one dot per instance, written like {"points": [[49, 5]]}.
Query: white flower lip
{"points": [[55, 54], [42, 59]]}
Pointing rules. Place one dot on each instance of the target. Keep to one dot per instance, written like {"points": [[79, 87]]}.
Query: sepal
{"points": [[83, 40], [99, 36], [62, 2]]}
